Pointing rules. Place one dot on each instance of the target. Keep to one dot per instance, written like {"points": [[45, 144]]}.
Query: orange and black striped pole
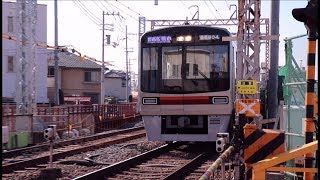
{"points": [[308, 16], [309, 100]]}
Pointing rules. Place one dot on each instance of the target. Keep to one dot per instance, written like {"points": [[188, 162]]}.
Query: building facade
{"points": [[76, 77], [115, 85], [9, 52]]}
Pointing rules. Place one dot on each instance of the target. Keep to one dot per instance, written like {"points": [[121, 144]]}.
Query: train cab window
{"points": [[149, 73], [209, 68], [172, 69]]}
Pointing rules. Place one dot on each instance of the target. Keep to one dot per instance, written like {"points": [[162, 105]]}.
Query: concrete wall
{"points": [[10, 49]]}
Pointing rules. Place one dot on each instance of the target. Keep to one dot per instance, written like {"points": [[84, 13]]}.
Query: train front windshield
{"points": [[185, 68]]}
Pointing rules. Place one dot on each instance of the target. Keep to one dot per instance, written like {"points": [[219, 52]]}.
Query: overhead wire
{"points": [[60, 48], [129, 8], [98, 6], [86, 13], [228, 7], [215, 9], [110, 4], [210, 10], [186, 7], [106, 8], [218, 12], [93, 15]]}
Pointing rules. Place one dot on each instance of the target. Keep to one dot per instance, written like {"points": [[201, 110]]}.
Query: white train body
{"points": [[186, 90]]}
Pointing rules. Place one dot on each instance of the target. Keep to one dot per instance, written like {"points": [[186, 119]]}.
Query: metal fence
{"points": [[71, 121], [294, 74]]}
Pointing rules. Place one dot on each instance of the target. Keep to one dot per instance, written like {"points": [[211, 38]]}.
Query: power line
{"points": [[227, 3], [228, 7], [93, 15], [129, 8], [86, 13], [215, 9], [106, 8], [185, 6], [98, 5], [121, 10], [210, 10]]}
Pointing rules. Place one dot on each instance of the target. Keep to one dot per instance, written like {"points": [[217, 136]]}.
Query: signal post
{"points": [[308, 16]]}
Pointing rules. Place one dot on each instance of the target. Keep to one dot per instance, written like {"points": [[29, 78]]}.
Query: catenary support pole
{"points": [[272, 92], [102, 65], [56, 58]]}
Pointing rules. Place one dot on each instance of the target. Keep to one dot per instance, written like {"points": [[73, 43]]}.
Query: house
{"points": [[76, 77], [9, 53], [115, 84]]}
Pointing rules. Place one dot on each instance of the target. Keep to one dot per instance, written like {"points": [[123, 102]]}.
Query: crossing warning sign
{"points": [[249, 107]]}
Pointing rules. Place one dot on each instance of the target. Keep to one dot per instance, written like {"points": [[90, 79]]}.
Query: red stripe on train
{"points": [[184, 100]]}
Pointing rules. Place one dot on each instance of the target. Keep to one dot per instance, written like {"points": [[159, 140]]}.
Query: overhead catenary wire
{"points": [[107, 9], [185, 6], [87, 9], [87, 14], [210, 10], [129, 8], [215, 9], [98, 5], [110, 4], [60, 48]]}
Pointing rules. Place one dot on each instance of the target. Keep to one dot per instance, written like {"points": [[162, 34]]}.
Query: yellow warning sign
{"points": [[247, 86]]}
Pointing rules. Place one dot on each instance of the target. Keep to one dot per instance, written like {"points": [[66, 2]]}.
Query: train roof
{"points": [[167, 28]]}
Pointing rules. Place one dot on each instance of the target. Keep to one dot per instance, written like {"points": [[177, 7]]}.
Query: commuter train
{"points": [[186, 76]]}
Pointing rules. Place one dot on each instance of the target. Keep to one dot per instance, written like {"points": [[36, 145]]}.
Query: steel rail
{"points": [[120, 166], [7, 168], [20, 151]]}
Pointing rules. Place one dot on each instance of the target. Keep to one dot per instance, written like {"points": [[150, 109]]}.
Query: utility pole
{"points": [[103, 44], [56, 59], [126, 63], [274, 61], [102, 65]]}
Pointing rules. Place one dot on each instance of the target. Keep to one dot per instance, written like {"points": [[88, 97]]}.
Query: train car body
{"points": [[186, 83]]}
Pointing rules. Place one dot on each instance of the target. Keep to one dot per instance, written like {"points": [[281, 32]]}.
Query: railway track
{"points": [[31, 160], [62, 143], [171, 161]]}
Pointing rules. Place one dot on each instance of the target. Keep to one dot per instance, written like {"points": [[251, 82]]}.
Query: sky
{"points": [[79, 24]]}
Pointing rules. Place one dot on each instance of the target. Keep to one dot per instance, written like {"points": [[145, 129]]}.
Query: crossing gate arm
{"points": [[260, 168]]}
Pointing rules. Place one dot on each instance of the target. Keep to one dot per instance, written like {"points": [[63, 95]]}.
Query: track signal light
{"points": [[48, 134]]}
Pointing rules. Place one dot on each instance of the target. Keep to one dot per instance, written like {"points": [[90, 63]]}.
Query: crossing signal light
{"points": [[308, 15]]}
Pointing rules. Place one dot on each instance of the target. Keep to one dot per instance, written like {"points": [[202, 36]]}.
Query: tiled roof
{"points": [[70, 60], [116, 74]]}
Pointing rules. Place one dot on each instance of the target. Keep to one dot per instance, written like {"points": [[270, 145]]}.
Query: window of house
{"points": [[195, 69], [50, 71], [90, 76], [10, 64], [123, 83], [10, 23]]}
